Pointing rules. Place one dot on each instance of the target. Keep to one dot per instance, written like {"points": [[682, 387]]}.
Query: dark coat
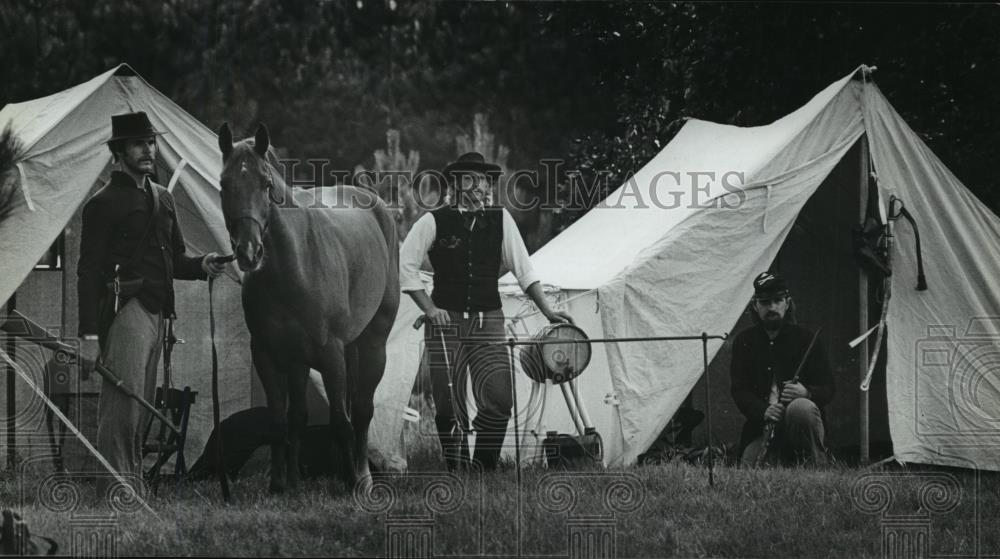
{"points": [[114, 220], [757, 359]]}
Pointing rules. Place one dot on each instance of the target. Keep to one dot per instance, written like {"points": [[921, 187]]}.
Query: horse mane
{"points": [[10, 151]]}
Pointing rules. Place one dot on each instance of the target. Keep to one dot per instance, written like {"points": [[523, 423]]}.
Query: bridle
{"points": [[262, 226]]}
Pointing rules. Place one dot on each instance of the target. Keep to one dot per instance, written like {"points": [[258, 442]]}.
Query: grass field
{"points": [[653, 511]]}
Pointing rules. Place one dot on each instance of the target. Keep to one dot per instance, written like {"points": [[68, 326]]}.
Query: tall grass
{"points": [[665, 510], [655, 511]]}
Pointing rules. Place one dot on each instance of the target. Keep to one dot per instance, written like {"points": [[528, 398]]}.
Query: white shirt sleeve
{"points": [[411, 255], [514, 255]]}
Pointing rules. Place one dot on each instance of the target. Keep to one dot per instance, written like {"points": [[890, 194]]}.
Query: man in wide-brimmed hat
{"points": [[131, 249], [764, 361], [469, 246]]}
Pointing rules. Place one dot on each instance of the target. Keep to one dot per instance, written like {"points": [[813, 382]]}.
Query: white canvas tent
{"points": [[674, 250], [648, 262], [65, 159]]}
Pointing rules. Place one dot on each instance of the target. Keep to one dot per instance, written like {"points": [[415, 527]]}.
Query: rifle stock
{"points": [[770, 426], [29, 330]]}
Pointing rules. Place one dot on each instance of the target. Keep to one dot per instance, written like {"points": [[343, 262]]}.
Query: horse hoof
{"points": [[362, 488], [363, 485]]}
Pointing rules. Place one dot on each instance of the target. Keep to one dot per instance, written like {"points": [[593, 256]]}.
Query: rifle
{"points": [[22, 326], [770, 426]]}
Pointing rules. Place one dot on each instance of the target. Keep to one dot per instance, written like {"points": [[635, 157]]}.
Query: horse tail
{"points": [[388, 226]]}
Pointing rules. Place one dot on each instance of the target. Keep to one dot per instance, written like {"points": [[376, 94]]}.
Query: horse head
{"points": [[247, 185]]}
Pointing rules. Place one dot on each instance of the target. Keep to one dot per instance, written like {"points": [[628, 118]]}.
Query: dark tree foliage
{"points": [[9, 184], [749, 65], [602, 85]]}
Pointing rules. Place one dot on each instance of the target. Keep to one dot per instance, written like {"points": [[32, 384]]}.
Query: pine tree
{"points": [[392, 179]]}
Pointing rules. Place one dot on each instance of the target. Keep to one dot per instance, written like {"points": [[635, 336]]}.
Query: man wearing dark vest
{"points": [[469, 245], [130, 238]]}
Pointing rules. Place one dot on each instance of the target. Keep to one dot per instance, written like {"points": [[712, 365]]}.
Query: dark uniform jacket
{"points": [[757, 359], [114, 220]]}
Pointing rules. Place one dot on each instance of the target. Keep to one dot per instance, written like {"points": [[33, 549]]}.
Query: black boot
{"points": [[488, 447], [454, 444]]}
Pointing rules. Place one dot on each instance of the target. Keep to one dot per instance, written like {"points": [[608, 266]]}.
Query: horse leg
{"points": [[298, 416], [362, 406], [334, 371], [275, 388], [366, 377]]}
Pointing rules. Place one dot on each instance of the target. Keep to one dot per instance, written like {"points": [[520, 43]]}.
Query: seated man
{"points": [[765, 358]]}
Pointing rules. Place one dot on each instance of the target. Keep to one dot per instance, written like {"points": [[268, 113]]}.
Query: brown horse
{"points": [[320, 291]]}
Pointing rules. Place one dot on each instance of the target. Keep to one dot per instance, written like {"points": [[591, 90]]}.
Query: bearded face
{"points": [[771, 310]]}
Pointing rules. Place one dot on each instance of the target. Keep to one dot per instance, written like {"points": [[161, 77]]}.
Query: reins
{"points": [[219, 454]]}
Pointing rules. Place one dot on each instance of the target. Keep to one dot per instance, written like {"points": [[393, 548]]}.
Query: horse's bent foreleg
{"points": [[334, 373], [276, 390], [298, 416]]}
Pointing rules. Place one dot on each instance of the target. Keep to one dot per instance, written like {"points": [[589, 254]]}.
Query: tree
{"points": [[10, 186], [749, 64], [392, 178], [601, 85]]}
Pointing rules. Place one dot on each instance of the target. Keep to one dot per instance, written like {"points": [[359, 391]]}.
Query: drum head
{"points": [[565, 361]]}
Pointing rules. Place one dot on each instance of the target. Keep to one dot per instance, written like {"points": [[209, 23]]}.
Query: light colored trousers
{"points": [[132, 352]]}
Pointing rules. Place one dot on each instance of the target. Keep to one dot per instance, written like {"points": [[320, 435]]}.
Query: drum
{"points": [[558, 362]]}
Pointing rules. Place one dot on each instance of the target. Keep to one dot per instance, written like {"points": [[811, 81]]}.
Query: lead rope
{"points": [[219, 462]]}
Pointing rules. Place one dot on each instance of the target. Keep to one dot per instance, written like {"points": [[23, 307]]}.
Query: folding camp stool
{"points": [[177, 406]]}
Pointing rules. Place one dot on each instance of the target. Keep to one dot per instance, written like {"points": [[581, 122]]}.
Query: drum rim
{"points": [[555, 325]]}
